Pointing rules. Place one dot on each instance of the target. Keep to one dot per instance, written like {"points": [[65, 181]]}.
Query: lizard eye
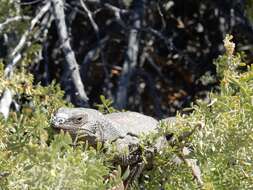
{"points": [[78, 120]]}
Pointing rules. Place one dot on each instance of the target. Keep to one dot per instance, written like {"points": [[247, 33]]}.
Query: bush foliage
{"points": [[223, 145], [32, 156]]}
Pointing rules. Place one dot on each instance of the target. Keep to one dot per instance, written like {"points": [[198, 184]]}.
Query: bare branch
{"points": [[5, 103], [130, 62], [116, 9], [196, 172], [80, 94], [15, 55], [102, 56], [13, 19], [117, 13], [28, 3], [92, 53], [93, 23], [34, 21]]}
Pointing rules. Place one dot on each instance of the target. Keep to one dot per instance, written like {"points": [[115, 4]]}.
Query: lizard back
{"points": [[134, 123]]}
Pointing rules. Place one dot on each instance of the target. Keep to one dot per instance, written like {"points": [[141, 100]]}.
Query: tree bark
{"points": [[131, 59], [79, 95]]}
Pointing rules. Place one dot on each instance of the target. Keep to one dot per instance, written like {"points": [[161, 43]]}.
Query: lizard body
{"points": [[124, 128], [121, 128]]}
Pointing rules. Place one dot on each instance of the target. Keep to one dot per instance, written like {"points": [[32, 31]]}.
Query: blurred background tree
{"points": [[149, 56]]}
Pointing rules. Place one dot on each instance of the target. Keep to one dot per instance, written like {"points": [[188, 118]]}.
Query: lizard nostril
{"points": [[60, 121], [57, 121]]}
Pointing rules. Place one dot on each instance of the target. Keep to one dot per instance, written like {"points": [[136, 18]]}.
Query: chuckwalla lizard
{"points": [[121, 128]]}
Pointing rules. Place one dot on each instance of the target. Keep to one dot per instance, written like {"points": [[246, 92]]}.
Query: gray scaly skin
{"points": [[121, 128]]}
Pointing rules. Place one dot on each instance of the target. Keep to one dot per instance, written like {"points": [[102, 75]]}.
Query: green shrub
{"points": [[223, 145], [32, 156]]}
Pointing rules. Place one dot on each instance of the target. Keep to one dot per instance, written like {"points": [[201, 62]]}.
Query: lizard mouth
{"points": [[59, 127], [78, 133], [74, 130]]}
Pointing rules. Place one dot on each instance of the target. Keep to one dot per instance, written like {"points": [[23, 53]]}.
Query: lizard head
{"points": [[78, 122]]}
